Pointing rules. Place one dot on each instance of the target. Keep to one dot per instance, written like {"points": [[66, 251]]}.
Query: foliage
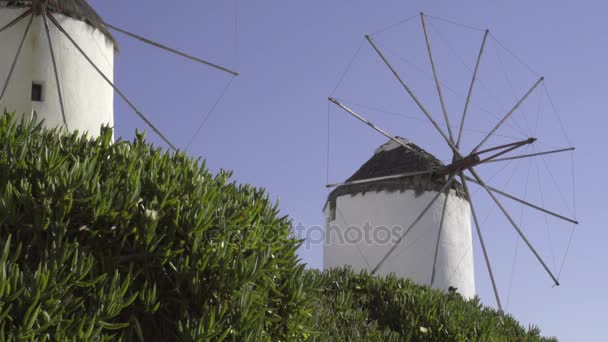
{"points": [[122, 241], [107, 240], [358, 306]]}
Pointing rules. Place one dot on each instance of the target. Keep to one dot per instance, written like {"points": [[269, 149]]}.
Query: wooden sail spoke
{"points": [[376, 128], [55, 71], [438, 85], [172, 50], [441, 224], [118, 91], [502, 193], [16, 20], [515, 226], [14, 64], [508, 115], [531, 155], [376, 179], [413, 96], [471, 86], [481, 240]]}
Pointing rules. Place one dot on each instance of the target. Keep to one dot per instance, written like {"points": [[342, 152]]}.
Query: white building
{"points": [[87, 97], [363, 221]]}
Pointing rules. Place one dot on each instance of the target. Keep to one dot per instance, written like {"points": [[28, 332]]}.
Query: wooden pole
{"points": [[169, 49], [443, 107], [409, 91], [376, 179], [120, 93], [517, 143], [481, 241], [376, 128], [532, 155], [12, 69], [48, 36], [512, 148], [441, 223], [508, 114], [524, 202], [466, 104], [16, 20]]}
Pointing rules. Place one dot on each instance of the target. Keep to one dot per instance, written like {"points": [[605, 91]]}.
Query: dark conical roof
{"points": [[77, 9], [392, 159]]}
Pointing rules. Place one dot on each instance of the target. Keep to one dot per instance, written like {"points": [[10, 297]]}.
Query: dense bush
{"points": [[104, 240], [358, 306], [109, 241]]}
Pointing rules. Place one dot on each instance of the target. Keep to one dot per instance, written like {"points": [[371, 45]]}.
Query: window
{"points": [[37, 92]]}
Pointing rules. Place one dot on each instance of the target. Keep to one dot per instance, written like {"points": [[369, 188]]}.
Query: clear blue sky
{"points": [[271, 127]]}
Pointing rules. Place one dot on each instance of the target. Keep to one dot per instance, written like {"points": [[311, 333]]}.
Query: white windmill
{"points": [[57, 59], [417, 209]]}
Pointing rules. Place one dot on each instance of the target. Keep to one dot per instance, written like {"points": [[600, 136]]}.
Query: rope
{"points": [[393, 25], [556, 113], [521, 222], [504, 167], [455, 23], [559, 190], [369, 268], [350, 64], [506, 75], [457, 267], [209, 112], [504, 185], [328, 152], [461, 59], [542, 202], [102, 53], [450, 46], [478, 79], [538, 114], [236, 34], [380, 110], [573, 229], [572, 162], [515, 56]]}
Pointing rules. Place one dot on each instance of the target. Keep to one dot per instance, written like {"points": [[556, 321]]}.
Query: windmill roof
{"points": [[392, 159], [77, 9]]}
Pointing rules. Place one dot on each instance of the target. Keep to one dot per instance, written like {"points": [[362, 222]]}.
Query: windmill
{"points": [[57, 60], [430, 202]]}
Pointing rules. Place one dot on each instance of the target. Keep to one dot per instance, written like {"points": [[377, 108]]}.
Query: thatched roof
{"points": [[391, 159], [77, 9]]}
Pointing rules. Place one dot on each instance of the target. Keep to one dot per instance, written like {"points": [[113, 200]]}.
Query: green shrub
{"points": [[122, 241], [110, 240], [358, 306]]}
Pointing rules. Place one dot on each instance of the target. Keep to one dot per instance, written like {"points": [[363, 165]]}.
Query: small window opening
{"points": [[37, 92]]}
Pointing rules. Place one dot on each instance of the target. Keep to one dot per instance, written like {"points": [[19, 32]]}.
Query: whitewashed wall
{"points": [[414, 257], [88, 99]]}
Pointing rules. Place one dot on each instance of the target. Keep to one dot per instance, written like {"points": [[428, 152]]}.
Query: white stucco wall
{"points": [[88, 99], [414, 257]]}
